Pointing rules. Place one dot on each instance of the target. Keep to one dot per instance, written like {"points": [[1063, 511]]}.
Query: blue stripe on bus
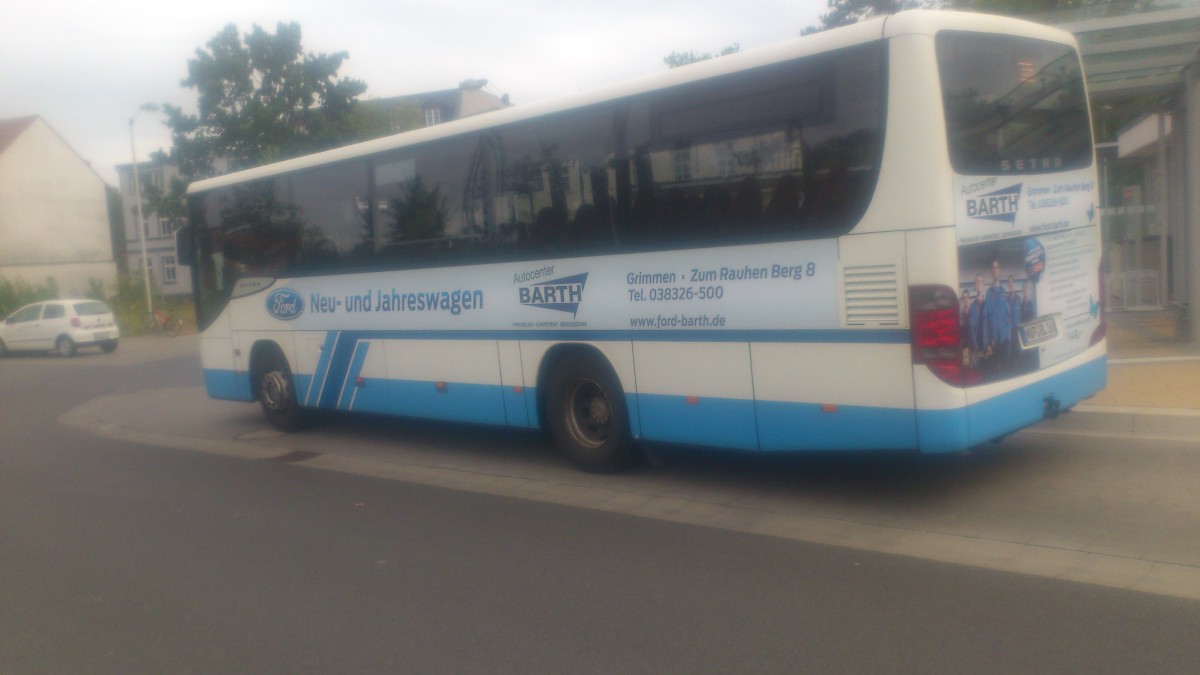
{"points": [[455, 401], [516, 410], [228, 384], [330, 390], [808, 426], [786, 336], [720, 422], [349, 389], [322, 371], [716, 422], [331, 384], [959, 428]]}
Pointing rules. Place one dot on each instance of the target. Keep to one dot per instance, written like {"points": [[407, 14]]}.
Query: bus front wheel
{"points": [[586, 415], [277, 394]]}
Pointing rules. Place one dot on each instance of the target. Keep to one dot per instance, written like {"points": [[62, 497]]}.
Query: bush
{"points": [[128, 304], [17, 294]]}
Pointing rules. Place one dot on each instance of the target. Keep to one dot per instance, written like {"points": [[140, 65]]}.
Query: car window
{"points": [[54, 312], [30, 313], [91, 308]]}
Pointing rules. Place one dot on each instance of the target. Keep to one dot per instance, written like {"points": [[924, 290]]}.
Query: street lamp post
{"points": [[137, 199]]}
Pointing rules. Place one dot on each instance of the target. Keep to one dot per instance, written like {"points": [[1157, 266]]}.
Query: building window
{"points": [[168, 269], [433, 116], [726, 163], [683, 164]]}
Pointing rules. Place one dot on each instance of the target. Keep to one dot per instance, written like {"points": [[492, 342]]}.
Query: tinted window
{"points": [[785, 151], [30, 313], [782, 152], [91, 308], [54, 312], [331, 207], [1013, 105], [423, 213], [549, 184]]}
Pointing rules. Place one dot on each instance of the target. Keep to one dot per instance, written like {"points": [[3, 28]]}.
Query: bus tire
{"points": [[276, 392], [586, 414]]}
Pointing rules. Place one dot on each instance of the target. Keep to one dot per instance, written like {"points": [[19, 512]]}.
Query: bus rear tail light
{"points": [[937, 334]]}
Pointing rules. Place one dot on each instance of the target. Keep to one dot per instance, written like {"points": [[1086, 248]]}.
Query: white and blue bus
{"points": [[882, 236]]}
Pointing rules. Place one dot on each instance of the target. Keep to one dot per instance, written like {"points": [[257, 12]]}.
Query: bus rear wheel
{"points": [[586, 415], [277, 393]]}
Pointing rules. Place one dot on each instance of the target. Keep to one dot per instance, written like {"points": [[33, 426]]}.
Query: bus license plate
{"points": [[1037, 332]]}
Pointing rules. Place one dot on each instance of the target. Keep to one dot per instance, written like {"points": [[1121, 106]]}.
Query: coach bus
{"points": [[882, 236]]}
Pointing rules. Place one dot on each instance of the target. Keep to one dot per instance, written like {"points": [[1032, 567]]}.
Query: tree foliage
{"points": [[261, 98], [676, 59], [846, 12]]}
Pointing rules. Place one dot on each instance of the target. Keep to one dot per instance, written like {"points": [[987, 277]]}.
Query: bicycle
{"points": [[159, 321]]}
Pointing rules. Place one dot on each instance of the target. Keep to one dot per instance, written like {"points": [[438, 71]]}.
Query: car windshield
{"points": [[91, 308]]}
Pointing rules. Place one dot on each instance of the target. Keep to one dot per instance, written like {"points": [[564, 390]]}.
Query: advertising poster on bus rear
{"points": [[1029, 257]]}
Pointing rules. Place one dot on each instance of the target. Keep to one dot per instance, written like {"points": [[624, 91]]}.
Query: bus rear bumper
{"points": [[961, 428]]}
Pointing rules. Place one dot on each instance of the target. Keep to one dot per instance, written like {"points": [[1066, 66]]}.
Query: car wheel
{"points": [[277, 394], [586, 414], [109, 346], [65, 346]]}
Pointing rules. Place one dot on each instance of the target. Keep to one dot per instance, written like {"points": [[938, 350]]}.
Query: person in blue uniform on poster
{"points": [[976, 341], [1023, 311], [997, 323], [1028, 311], [1014, 315]]}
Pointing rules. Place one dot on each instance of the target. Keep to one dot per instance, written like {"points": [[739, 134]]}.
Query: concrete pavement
{"points": [[1153, 389]]}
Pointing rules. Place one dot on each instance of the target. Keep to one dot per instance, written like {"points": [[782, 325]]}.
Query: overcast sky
{"points": [[87, 66]]}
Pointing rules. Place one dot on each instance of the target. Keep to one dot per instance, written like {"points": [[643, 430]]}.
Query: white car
{"points": [[61, 325]]}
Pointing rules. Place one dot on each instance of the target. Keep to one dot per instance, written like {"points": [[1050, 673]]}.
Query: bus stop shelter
{"points": [[1142, 65]]}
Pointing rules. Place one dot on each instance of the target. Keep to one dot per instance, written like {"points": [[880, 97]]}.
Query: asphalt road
{"points": [[129, 553]]}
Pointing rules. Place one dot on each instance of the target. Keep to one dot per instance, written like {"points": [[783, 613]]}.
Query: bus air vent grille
{"points": [[872, 295]]}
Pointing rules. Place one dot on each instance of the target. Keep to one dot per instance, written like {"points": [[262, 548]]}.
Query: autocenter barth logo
{"points": [[561, 295], [999, 205]]}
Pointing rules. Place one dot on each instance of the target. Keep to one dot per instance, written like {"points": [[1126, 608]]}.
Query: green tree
{"points": [[1026, 7], [260, 98], [676, 59], [846, 12]]}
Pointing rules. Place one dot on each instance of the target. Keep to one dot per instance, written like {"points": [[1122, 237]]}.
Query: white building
{"points": [[165, 270], [53, 211]]}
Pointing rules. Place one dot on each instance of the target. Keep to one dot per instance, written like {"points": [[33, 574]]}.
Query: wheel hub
{"points": [[274, 390], [591, 414]]}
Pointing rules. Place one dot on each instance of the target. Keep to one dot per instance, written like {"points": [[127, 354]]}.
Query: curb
{"points": [[1127, 421]]}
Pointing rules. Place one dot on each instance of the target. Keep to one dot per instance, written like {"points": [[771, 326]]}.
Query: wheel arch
{"points": [[556, 354], [261, 353]]}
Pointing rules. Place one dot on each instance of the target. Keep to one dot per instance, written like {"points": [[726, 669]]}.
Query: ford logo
{"points": [[285, 304]]}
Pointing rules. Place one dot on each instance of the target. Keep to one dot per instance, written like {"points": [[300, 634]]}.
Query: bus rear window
{"points": [[1013, 105]]}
